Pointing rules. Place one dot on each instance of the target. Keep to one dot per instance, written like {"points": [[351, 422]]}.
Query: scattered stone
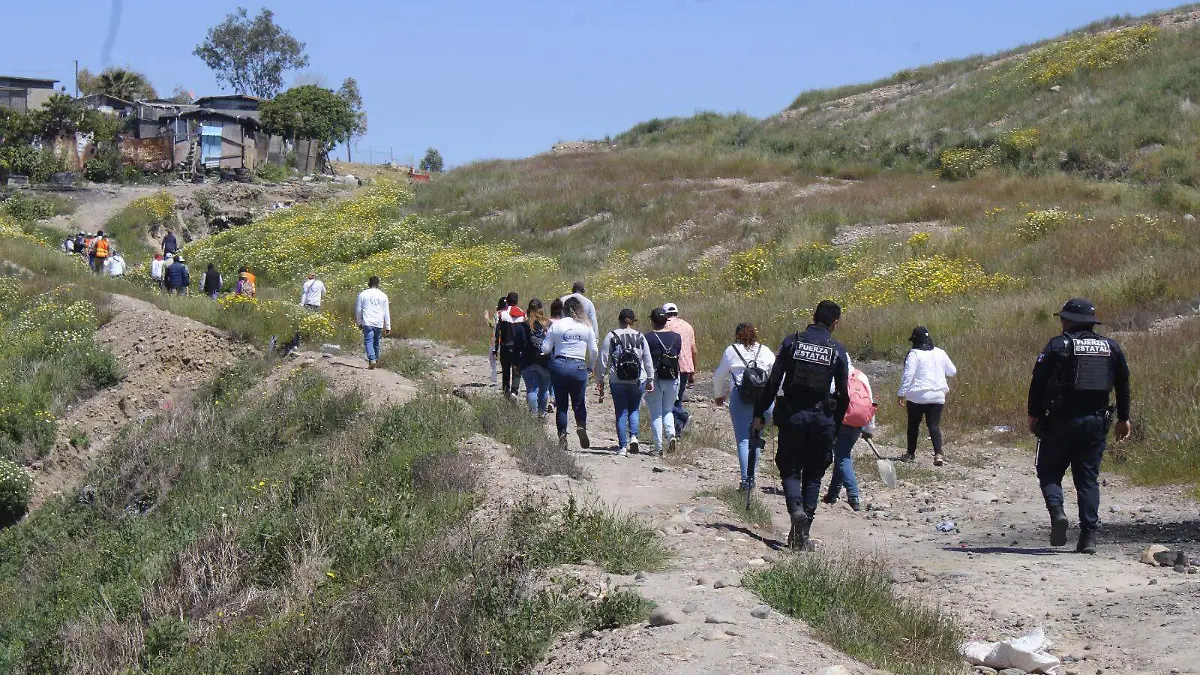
{"points": [[1012, 671], [982, 497], [662, 616], [920, 576], [1189, 217], [588, 563], [690, 608], [1154, 582], [703, 580], [1056, 88], [984, 670], [658, 469], [1149, 553], [834, 670], [756, 562], [761, 612], [593, 668], [715, 635], [719, 618], [641, 576]]}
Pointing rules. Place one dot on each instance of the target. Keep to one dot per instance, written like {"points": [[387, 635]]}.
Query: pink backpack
{"points": [[862, 408]]}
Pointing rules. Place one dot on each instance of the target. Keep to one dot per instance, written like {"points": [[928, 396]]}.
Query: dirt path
{"points": [[1107, 613], [96, 206]]}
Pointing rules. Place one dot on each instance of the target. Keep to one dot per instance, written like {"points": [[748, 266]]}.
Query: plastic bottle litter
{"points": [[947, 525]]}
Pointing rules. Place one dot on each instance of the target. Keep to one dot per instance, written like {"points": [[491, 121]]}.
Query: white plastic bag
{"points": [[1026, 653]]}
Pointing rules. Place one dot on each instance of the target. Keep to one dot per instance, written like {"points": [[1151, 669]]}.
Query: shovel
{"points": [[887, 471]]}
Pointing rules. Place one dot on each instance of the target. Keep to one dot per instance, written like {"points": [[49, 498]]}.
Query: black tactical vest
{"points": [[811, 371], [1090, 364]]}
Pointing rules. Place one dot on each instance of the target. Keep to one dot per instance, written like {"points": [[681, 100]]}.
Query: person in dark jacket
{"points": [[169, 244], [212, 282], [807, 414], [177, 277], [1070, 414], [534, 366]]}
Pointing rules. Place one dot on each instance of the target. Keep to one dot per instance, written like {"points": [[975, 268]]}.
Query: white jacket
{"points": [[571, 339], [925, 373], [312, 292], [372, 309], [729, 373]]}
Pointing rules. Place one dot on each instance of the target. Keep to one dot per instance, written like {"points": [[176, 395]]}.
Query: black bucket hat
{"points": [[1079, 310]]}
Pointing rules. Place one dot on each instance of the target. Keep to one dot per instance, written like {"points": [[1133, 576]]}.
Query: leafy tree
{"points": [[432, 161], [87, 83], [251, 55], [309, 112], [60, 115], [180, 95], [353, 98]]}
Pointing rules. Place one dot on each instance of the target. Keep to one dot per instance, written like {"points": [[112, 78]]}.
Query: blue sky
{"points": [[485, 79]]}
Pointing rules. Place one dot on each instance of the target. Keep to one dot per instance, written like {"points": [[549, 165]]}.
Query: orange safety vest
{"points": [[102, 248], [253, 283]]}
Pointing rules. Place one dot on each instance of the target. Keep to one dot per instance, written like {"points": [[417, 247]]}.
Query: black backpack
{"points": [[666, 364], [627, 365], [533, 348], [754, 378]]}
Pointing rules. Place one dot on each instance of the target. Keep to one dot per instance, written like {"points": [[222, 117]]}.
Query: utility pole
{"points": [[76, 78]]}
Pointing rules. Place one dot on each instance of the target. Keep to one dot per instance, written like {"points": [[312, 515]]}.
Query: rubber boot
{"points": [[1058, 525], [1087, 542]]}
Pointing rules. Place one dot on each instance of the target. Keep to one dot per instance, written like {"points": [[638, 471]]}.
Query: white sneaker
{"points": [[633, 444], [623, 452]]}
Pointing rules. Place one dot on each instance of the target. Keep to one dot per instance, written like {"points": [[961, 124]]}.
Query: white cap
{"points": [[671, 308]]}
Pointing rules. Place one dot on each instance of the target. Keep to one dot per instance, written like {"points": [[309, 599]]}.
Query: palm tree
{"points": [[125, 84]]}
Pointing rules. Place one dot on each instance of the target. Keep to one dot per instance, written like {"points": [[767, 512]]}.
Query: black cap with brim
{"points": [[1079, 310]]}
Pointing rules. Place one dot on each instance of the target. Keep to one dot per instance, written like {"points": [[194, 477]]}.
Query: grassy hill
{"points": [[970, 196]]}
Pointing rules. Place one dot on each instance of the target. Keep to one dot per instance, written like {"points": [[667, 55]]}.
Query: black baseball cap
{"points": [[919, 334], [626, 315], [1079, 310]]}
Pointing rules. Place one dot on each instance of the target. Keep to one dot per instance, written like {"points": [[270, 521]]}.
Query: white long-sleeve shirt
{"points": [[571, 339], [925, 373], [729, 372], [313, 292], [157, 268], [588, 308], [372, 309], [605, 368]]}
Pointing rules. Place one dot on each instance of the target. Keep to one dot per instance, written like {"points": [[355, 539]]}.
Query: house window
{"points": [[16, 99]]}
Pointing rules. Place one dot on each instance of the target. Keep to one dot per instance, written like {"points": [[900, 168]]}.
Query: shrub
{"points": [[1038, 224], [16, 489], [620, 608], [1086, 53], [922, 279], [960, 163], [747, 269], [29, 208], [510, 423], [807, 261]]}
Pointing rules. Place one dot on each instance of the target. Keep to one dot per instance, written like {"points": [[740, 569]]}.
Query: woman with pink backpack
{"points": [[858, 421]]}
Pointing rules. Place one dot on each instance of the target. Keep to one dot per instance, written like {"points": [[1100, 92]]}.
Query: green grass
{"points": [[48, 361], [758, 515], [30, 207], [848, 600], [130, 230], [509, 422], [405, 360], [619, 543]]}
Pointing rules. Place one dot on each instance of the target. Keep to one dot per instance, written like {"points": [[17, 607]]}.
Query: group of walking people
{"points": [[556, 351], [98, 252]]}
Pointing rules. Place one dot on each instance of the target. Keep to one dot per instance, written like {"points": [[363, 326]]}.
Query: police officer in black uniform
{"points": [[1070, 414], [808, 413]]}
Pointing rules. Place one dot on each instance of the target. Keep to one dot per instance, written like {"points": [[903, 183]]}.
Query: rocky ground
{"points": [[993, 569]]}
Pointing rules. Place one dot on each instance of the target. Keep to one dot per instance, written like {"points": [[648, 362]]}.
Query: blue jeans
{"points": [[627, 402], [741, 414], [843, 463], [371, 336], [660, 403], [681, 416], [570, 378], [537, 387]]}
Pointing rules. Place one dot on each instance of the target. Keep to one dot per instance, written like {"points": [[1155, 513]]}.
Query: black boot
{"points": [[854, 503], [1087, 542], [830, 498], [801, 525], [1058, 526], [806, 535]]}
